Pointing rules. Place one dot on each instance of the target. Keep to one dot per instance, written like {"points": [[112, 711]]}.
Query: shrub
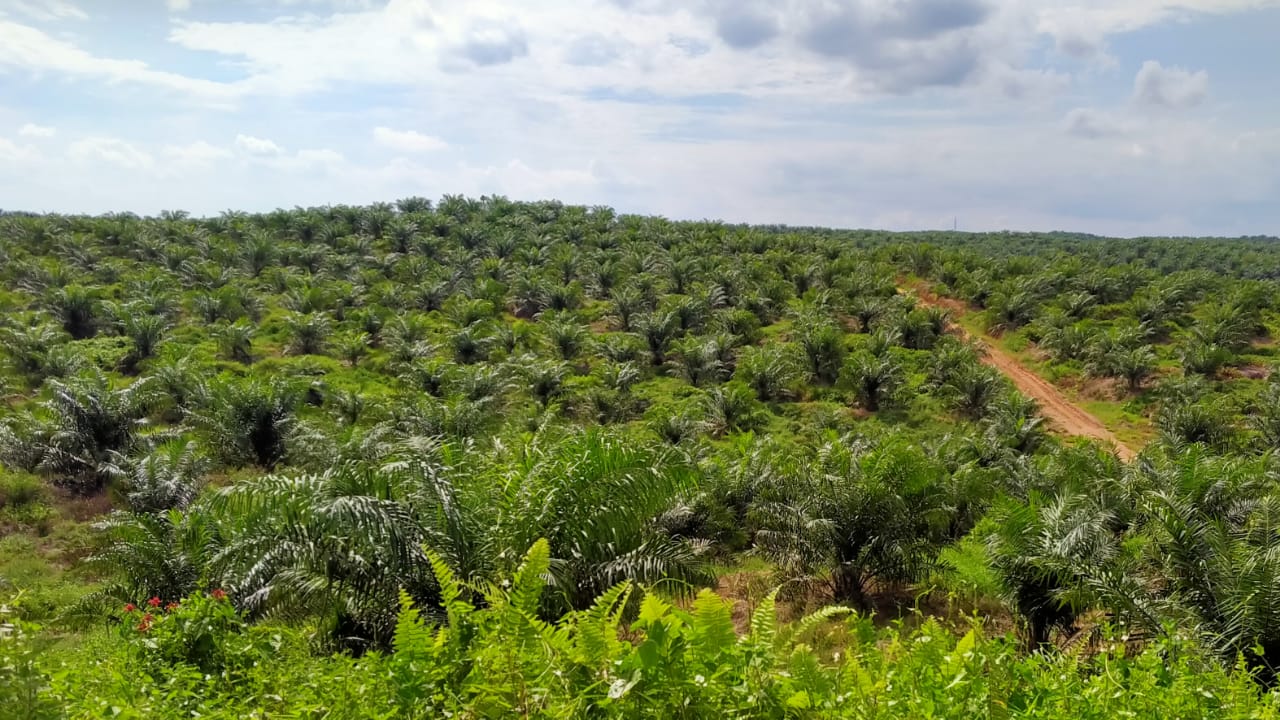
{"points": [[202, 630], [19, 490]]}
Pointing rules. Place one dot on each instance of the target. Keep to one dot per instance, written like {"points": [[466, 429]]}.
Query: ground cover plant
{"points": [[495, 458]]}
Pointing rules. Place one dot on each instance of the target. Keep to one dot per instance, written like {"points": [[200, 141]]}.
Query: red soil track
{"points": [[1064, 415]]}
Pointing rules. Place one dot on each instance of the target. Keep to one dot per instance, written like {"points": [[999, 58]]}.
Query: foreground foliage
{"points": [[685, 660]]}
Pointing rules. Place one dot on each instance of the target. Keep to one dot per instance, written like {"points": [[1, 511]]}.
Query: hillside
{"points": [[493, 459]]}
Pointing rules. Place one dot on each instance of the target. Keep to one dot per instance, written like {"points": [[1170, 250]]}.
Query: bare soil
{"points": [[1066, 417]]}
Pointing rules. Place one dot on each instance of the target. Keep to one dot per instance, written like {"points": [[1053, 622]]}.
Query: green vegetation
{"points": [[495, 459]]}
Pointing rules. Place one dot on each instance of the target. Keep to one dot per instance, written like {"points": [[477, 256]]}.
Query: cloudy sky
{"points": [[1111, 116]]}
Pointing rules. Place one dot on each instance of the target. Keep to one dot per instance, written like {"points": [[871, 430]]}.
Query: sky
{"points": [[1118, 117]]}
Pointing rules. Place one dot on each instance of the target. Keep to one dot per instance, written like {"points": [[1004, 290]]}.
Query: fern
{"points": [[451, 590], [526, 586], [811, 621], [711, 626], [413, 639], [597, 626], [764, 623]]}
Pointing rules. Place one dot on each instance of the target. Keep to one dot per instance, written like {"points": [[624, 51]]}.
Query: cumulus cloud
{"points": [[258, 147], [900, 47], [744, 27], [407, 140], [196, 153], [491, 43], [112, 151], [1156, 85], [1091, 124], [696, 109], [12, 153], [593, 50], [33, 130]]}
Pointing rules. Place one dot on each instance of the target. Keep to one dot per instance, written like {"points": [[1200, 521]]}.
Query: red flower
{"points": [[145, 625], [154, 602], [219, 595], [130, 607], [171, 607]]}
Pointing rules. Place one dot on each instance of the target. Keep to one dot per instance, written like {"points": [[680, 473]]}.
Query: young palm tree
{"points": [[249, 421], [823, 348], [658, 330], [470, 345], [1010, 309], [145, 332], [567, 337], [165, 555], [352, 346], [28, 348], [77, 308], [335, 548], [1043, 551], [771, 371], [1183, 423], [854, 516], [595, 497], [169, 478], [546, 380], [308, 334], [1202, 357], [699, 361], [733, 407], [1069, 342], [971, 388], [235, 341], [1264, 417], [89, 420], [876, 381]]}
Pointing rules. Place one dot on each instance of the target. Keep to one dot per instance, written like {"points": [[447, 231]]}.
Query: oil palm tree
{"points": [[77, 308], [823, 347], [168, 478], [854, 516], [308, 334], [145, 332], [235, 341], [876, 381], [595, 496], [89, 419], [165, 555], [249, 421], [771, 371]]}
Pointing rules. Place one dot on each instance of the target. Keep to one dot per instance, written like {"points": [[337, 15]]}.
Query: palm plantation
{"points": [[503, 458]]}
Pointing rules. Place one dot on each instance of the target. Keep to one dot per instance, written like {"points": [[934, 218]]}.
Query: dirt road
{"points": [[1063, 414]]}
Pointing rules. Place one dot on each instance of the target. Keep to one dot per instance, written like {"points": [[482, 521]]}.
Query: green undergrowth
{"points": [[631, 654]]}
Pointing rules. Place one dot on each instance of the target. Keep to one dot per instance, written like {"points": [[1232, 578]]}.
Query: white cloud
{"points": [[316, 158], [32, 130], [196, 153], [258, 147], [1169, 87], [12, 153], [113, 151], [1092, 124], [26, 48], [178, 5], [43, 10], [778, 113], [407, 140]]}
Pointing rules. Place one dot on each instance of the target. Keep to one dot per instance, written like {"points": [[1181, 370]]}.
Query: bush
{"points": [[19, 490], [203, 631]]}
